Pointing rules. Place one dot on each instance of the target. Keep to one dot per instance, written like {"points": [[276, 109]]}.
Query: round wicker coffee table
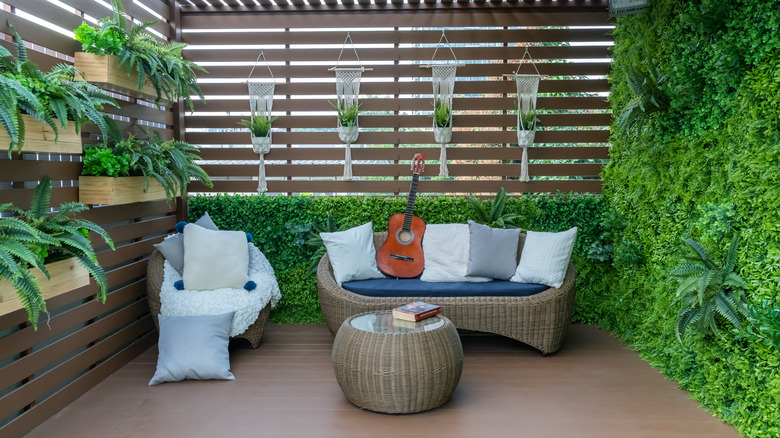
{"points": [[386, 365]]}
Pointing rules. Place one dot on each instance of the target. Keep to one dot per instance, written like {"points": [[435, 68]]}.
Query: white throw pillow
{"points": [[214, 259], [545, 258], [352, 254], [446, 251]]}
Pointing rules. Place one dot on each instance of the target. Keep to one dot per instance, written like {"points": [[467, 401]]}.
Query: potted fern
{"points": [[44, 111], [136, 170], [442, 122], [347, 116], [260, 130], [43, 255], [132, 61]]}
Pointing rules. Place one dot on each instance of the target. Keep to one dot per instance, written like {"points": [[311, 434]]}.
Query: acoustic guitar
{"points": [[401, 255]]}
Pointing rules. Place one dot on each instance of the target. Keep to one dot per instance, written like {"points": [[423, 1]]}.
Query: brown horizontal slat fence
{"points": [[82, 340], [571, 50]]}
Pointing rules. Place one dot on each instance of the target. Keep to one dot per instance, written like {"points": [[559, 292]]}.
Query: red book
{"points": [[416, 311]]}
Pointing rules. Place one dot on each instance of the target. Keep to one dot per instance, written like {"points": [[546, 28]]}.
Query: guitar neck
{"points": [[410, 202]]}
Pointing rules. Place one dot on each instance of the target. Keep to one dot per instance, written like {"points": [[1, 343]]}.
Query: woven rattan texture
{"points": [[398, 372], [154, 280], [538, 320]]}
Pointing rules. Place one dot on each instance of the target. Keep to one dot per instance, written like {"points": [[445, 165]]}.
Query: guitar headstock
{"points": [[418, 163]]}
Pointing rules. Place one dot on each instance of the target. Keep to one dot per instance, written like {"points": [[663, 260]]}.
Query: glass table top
{"points": [[383, 322]]}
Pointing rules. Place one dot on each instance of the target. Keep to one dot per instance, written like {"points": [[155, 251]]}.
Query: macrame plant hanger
{"points": [[443, 79], [527, 90], [261, 99], [347, 93]]}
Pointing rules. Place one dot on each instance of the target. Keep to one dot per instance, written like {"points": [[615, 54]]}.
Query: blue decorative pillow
{"points": [[172, 248], [193, 347]]}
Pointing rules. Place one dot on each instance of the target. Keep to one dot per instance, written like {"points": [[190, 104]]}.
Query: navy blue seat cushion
{"points": [[414, 287]]}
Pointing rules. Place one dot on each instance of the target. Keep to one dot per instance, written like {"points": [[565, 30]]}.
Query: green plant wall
{"points": [[279, 225], [705, 167]]}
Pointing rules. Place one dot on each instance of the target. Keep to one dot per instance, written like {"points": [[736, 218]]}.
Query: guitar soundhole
{"points": [[404, 237]]}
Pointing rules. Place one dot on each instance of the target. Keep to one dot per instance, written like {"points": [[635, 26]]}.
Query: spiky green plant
{"points": [[346, 113], [708, 289], [259, 126], [493, 215], [159, 63], [314, 240], [442, 114], [58, 95], [528, 120], [649, 98], [49, 237], [170, 162]]}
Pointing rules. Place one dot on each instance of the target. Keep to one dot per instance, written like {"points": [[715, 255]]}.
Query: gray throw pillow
{"points": [[492, 251], [193, 347], [172, 248]]}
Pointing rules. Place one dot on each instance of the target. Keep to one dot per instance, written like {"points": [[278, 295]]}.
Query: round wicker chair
{"points": [[154, 280], [539, 320]]}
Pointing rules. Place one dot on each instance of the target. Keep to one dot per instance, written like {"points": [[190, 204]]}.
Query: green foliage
{"points": [[442, 114], [703, 169], [346, 113], [314, 240], [38, 236], [159, 63], [170, 162], [649, 97], [286, 230], [708, 289], [493, 216], [527, 120], [46, 96], [259, 126]]}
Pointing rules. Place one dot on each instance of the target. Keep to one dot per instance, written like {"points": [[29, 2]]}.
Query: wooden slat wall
{"points": [[571, 50], [85, 340]]}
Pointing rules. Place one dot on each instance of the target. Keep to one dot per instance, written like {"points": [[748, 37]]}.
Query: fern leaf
{"points": [[726, 308]]}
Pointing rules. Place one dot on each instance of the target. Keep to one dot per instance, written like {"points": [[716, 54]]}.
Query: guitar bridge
{"points": [[400, 257]]}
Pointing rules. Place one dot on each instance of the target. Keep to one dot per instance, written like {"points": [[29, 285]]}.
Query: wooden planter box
{"points": [[104, 71], [39, 137], [66, 275], [122, 190]]}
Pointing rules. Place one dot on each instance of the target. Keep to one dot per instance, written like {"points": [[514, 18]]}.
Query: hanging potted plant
{"points": [[134, 62], [526, 127], [136, 170], [442, 122], [44, 111], [43, 255], [260, 130], [347, 115]]}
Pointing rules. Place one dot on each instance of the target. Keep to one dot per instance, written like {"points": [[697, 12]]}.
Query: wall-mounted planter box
{"points": [[105, 72], [122, 190], [66, 275], [39, 137]]}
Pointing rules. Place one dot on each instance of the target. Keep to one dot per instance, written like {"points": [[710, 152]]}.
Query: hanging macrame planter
{"points": [[261, 99], [347, 106], [527, 90], [443, 79]]}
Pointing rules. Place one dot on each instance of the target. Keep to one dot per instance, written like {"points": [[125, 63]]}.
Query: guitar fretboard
{"points": [[410, 203]]}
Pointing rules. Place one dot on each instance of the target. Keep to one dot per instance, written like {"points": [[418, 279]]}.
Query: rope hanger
{"points": [[261, 55], [361, 68], [430, 63], [520, 64]]}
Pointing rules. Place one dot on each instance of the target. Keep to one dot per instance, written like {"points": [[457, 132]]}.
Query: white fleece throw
{"points": [[246, 304]]}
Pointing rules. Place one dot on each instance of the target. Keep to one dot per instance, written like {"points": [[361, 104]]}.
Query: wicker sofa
{"points": [[154, 280], [538, 320]]}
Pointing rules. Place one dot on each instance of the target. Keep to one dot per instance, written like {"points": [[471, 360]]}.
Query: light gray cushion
{"points": [[172, 248], [492, 251], [545, 257], [446, 250], [352, 254], [193, 347], [214, 259]]}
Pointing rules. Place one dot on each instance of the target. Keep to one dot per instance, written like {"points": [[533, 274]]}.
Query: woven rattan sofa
{"points": [[539, 320], [154, 281]]}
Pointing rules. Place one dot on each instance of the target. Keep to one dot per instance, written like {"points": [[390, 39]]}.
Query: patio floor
{"points": [[592, 388]]}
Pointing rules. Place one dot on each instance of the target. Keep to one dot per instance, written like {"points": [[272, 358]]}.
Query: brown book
{"points": [[416, 311]]}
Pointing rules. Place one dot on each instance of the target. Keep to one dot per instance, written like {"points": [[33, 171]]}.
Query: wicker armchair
{"points": [[538, 320], [154, 280]]}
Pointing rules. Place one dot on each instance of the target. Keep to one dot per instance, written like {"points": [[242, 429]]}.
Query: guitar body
{"points": [[402, 255]]}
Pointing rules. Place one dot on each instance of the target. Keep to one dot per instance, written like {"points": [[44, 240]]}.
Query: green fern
{"points": [[493, 216], [649, 98], [707, 290], [313, 239]]}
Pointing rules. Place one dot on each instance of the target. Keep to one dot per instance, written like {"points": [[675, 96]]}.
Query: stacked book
{"points": [[416, 311]]}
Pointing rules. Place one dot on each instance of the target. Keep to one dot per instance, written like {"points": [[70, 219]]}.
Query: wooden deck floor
{"points": [[593, 388]]}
